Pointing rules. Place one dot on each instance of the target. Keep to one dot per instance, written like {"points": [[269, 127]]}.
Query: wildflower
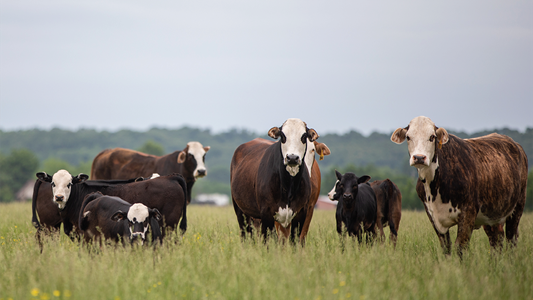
{"points": [[35, 292], [343, 283], [56, 293]]}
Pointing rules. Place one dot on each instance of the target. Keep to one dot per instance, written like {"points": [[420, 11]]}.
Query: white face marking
{"points": [[421, 130], [293, 129], [154, 175], [197, 150], [138, 213], [443, 214], [331, 193], [61, 188], [284, 216]]}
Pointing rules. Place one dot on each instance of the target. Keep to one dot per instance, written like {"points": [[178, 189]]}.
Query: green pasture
{"points": [[211, 262]]}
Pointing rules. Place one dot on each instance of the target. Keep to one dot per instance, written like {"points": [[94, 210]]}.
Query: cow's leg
{"points": [[183, 222], [307, 223], [465, 226], [394, 224], [267, 225], [240, 219], [297, 225], [495, 234], [511, 225]]}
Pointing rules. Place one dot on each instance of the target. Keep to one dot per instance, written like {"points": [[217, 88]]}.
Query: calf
{"points": [[389, 207], [117, 219], [467, 182], [357, 205]]}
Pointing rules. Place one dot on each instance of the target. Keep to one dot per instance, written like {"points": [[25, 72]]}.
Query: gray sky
{"points": [[338, 65]]}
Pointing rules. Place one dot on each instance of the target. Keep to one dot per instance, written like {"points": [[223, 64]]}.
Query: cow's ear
{"points": [[42, 176], [338, 175], [154, 213], [321, 149], [312, 135], [398, 136], [80, 178], [274, 132], [181, 157], [363, 179], [206, 148], [118, 216], [442, 136]]}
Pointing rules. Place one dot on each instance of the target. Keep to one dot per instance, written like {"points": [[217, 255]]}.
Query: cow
{"points": [[322, 150], [166, 193], [357, 208], [389, 206], [117, 220], [120, 163], [467, 182], [270, 181]]}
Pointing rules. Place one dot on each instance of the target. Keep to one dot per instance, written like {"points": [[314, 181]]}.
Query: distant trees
{"points": [[15, 170]]}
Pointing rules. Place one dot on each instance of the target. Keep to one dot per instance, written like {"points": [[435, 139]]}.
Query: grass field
{"points": [[211, 262]]}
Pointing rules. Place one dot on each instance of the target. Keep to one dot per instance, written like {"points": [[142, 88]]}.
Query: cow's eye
{"points": [[304, 138], [53, 184], [69, 184], [432, 138], [408, 138], [341, 186], [283, 137]]}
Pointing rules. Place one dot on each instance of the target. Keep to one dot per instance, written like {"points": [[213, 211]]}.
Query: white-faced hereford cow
{"points": [[271, 181], [166, 193], [120, 163], [117, 220], [312, 148], [467, 182]]}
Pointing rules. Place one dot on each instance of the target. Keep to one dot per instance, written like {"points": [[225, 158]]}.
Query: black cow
{"points": [[117, 219], [357, 205], [271, 181], [120, 163], [166, 193]]}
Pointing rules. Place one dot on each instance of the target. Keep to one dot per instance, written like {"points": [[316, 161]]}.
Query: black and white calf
{"points": [[357, 205], [117, 219]]}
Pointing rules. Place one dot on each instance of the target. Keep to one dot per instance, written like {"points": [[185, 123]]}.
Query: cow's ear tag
{"points": [[440, 144], [321, 155]]}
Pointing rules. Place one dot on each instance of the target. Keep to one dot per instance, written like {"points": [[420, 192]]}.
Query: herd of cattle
{"points": [[465, 182]]}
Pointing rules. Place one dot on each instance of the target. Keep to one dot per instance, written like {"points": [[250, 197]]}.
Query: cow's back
{"points": [[120, 163]]}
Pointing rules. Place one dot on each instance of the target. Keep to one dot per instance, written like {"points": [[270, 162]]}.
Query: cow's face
{"points": [[138, 218], [347, 188], [62, 183], [194, 158], [294, 136], [423, 138]]}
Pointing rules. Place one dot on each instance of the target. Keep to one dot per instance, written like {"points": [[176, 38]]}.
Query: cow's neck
{"points": [[290, 184], [428, 174]]}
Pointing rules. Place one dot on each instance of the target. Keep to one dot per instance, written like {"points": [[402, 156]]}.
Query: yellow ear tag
{"points": [[440, 144], [321, 154]]}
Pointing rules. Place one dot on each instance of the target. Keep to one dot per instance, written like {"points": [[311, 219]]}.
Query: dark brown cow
{"points": [[166, 193], [389, 202], [271, 181], [389, 206], [120, 163], [469, 183]]}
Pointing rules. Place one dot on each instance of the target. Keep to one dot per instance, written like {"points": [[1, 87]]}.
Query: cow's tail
{"points": [[83, 222], [391, 194], [183, 223], [34, 219]]}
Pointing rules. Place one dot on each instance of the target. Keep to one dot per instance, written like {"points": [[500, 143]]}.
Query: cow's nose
{"points": [[419, 159], [293, 159], [60, 198], [347, 196], [201, 172]]}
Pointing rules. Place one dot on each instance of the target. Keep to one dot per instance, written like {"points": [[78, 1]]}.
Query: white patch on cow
{"points": [[85, 214], [333, 191], [284, 216], [481, 219], [61, 187], [420, 131], [443, 215], [198, 151], [293, 129], [154, 175], [138, 211], [310, 156]]}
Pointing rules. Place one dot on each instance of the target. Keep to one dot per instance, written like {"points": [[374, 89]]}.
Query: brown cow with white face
{"points": [[469, 183]]}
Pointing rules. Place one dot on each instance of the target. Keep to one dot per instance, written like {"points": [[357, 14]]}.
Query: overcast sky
{"points": [[338, 65]]}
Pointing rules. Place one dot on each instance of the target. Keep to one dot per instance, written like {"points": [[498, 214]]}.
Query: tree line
{"points": [[24, 152]]}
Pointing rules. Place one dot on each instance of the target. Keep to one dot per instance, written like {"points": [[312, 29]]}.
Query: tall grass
{"points": [[211, 262]]}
